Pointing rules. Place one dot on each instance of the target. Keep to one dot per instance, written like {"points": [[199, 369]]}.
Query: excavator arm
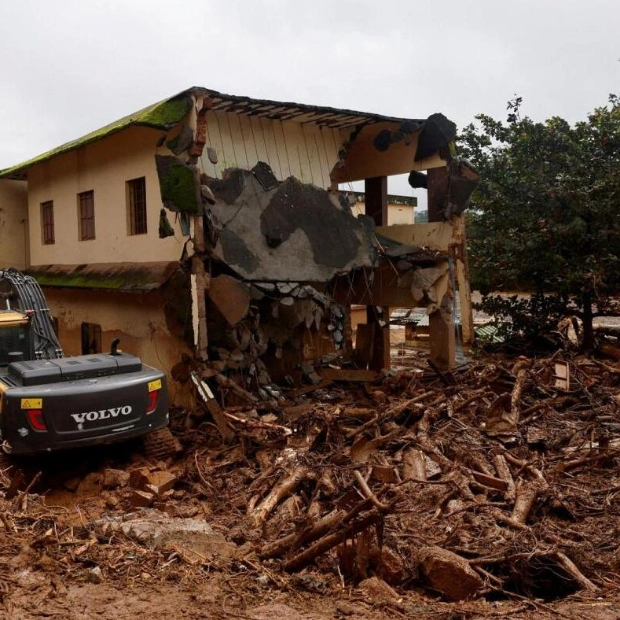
{"points": [[24, 292]]}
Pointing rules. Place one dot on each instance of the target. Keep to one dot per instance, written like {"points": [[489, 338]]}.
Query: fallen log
{"points": [[330, 541], [569, 566], [368, 493], [213, 407], [526, 494], [300, 538], [504, 473], [278, 492], [414, 464], [520, 370]]}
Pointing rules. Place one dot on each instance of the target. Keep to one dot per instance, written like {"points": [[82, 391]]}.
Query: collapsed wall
{"points": [[278, 255]]}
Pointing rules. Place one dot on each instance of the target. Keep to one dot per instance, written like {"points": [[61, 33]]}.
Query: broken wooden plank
{"points": [[354, 375], [213, 407]]}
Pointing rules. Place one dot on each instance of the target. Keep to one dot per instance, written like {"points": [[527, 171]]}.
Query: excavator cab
{"points": [[15, 341]]}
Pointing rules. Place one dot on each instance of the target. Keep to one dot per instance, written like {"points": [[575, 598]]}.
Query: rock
{"points": [[163, 481], [448, 573], [378, 590], [392, 567], [112, 502], [193, 539], [141, 499], [114, 478], [138, 478], [153, 482], [95, 575]]}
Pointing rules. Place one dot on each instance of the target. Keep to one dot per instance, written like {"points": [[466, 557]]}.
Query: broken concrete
{"points": [[231, 298], [194, 539], [292, 232]]}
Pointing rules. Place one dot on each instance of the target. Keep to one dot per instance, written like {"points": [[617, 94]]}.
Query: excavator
{"points": [[50, 402]]}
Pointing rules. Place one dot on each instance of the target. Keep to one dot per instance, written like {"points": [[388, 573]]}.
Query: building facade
{"points": [[115, 225]]}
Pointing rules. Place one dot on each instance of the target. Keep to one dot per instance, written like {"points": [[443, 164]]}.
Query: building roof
{"points": [[122, 277], [167, 113], [162, 115]]}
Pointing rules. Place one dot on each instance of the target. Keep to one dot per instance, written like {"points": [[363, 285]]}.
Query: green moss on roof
{"points": [[167, 113], [162, 115], [128, 277], [178, 185], [92, 281]]}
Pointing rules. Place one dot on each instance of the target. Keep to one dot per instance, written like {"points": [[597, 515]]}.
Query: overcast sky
{"points": [[71, 66]]}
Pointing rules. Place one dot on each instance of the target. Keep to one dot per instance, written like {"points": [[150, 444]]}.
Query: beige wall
{"points": [[305, 151], [138, 320], [397, 214], [13, 223], [103, 167]]}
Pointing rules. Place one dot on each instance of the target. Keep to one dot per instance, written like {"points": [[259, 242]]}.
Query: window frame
{"points": [[137, 221], [48, 233], [86, 215]]}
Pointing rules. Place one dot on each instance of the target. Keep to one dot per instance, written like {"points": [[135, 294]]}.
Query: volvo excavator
{"points": [[51, 402]]}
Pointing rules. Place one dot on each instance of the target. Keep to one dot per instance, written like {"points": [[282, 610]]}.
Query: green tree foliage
{"points": [[546, 217]]}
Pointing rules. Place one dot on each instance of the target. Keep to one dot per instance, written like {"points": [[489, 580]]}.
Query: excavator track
{"points": [[161, 445]]}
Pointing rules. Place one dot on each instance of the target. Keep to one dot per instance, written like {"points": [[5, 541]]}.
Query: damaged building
{"points": [[222, 230]]}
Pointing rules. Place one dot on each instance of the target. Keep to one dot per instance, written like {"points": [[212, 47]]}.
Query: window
{"points": [[86, 206], [136, 203], [91, 338], [47, 222]]}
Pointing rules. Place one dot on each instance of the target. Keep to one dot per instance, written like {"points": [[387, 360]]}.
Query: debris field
{"points": [[490, 490]]}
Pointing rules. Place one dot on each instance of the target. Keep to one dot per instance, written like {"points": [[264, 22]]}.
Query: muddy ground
{"points": [[386, 469]]}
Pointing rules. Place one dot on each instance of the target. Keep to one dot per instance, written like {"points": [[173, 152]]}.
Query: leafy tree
{"points": [[546, 217], [421, 217]]}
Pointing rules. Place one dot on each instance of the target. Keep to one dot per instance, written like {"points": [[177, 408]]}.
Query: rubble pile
{"points": [[496, 483]]}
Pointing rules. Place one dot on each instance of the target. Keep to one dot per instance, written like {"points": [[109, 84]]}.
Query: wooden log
{"points": [[327, 484], [569, 566], [213, 407], [504, 473], [520, 370], [358, 413], [414, 464], [303, 537], [368, 493], [489, 481], [344, 374], [234, 387], [330, 541], [278, 492], [526, 494]]}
